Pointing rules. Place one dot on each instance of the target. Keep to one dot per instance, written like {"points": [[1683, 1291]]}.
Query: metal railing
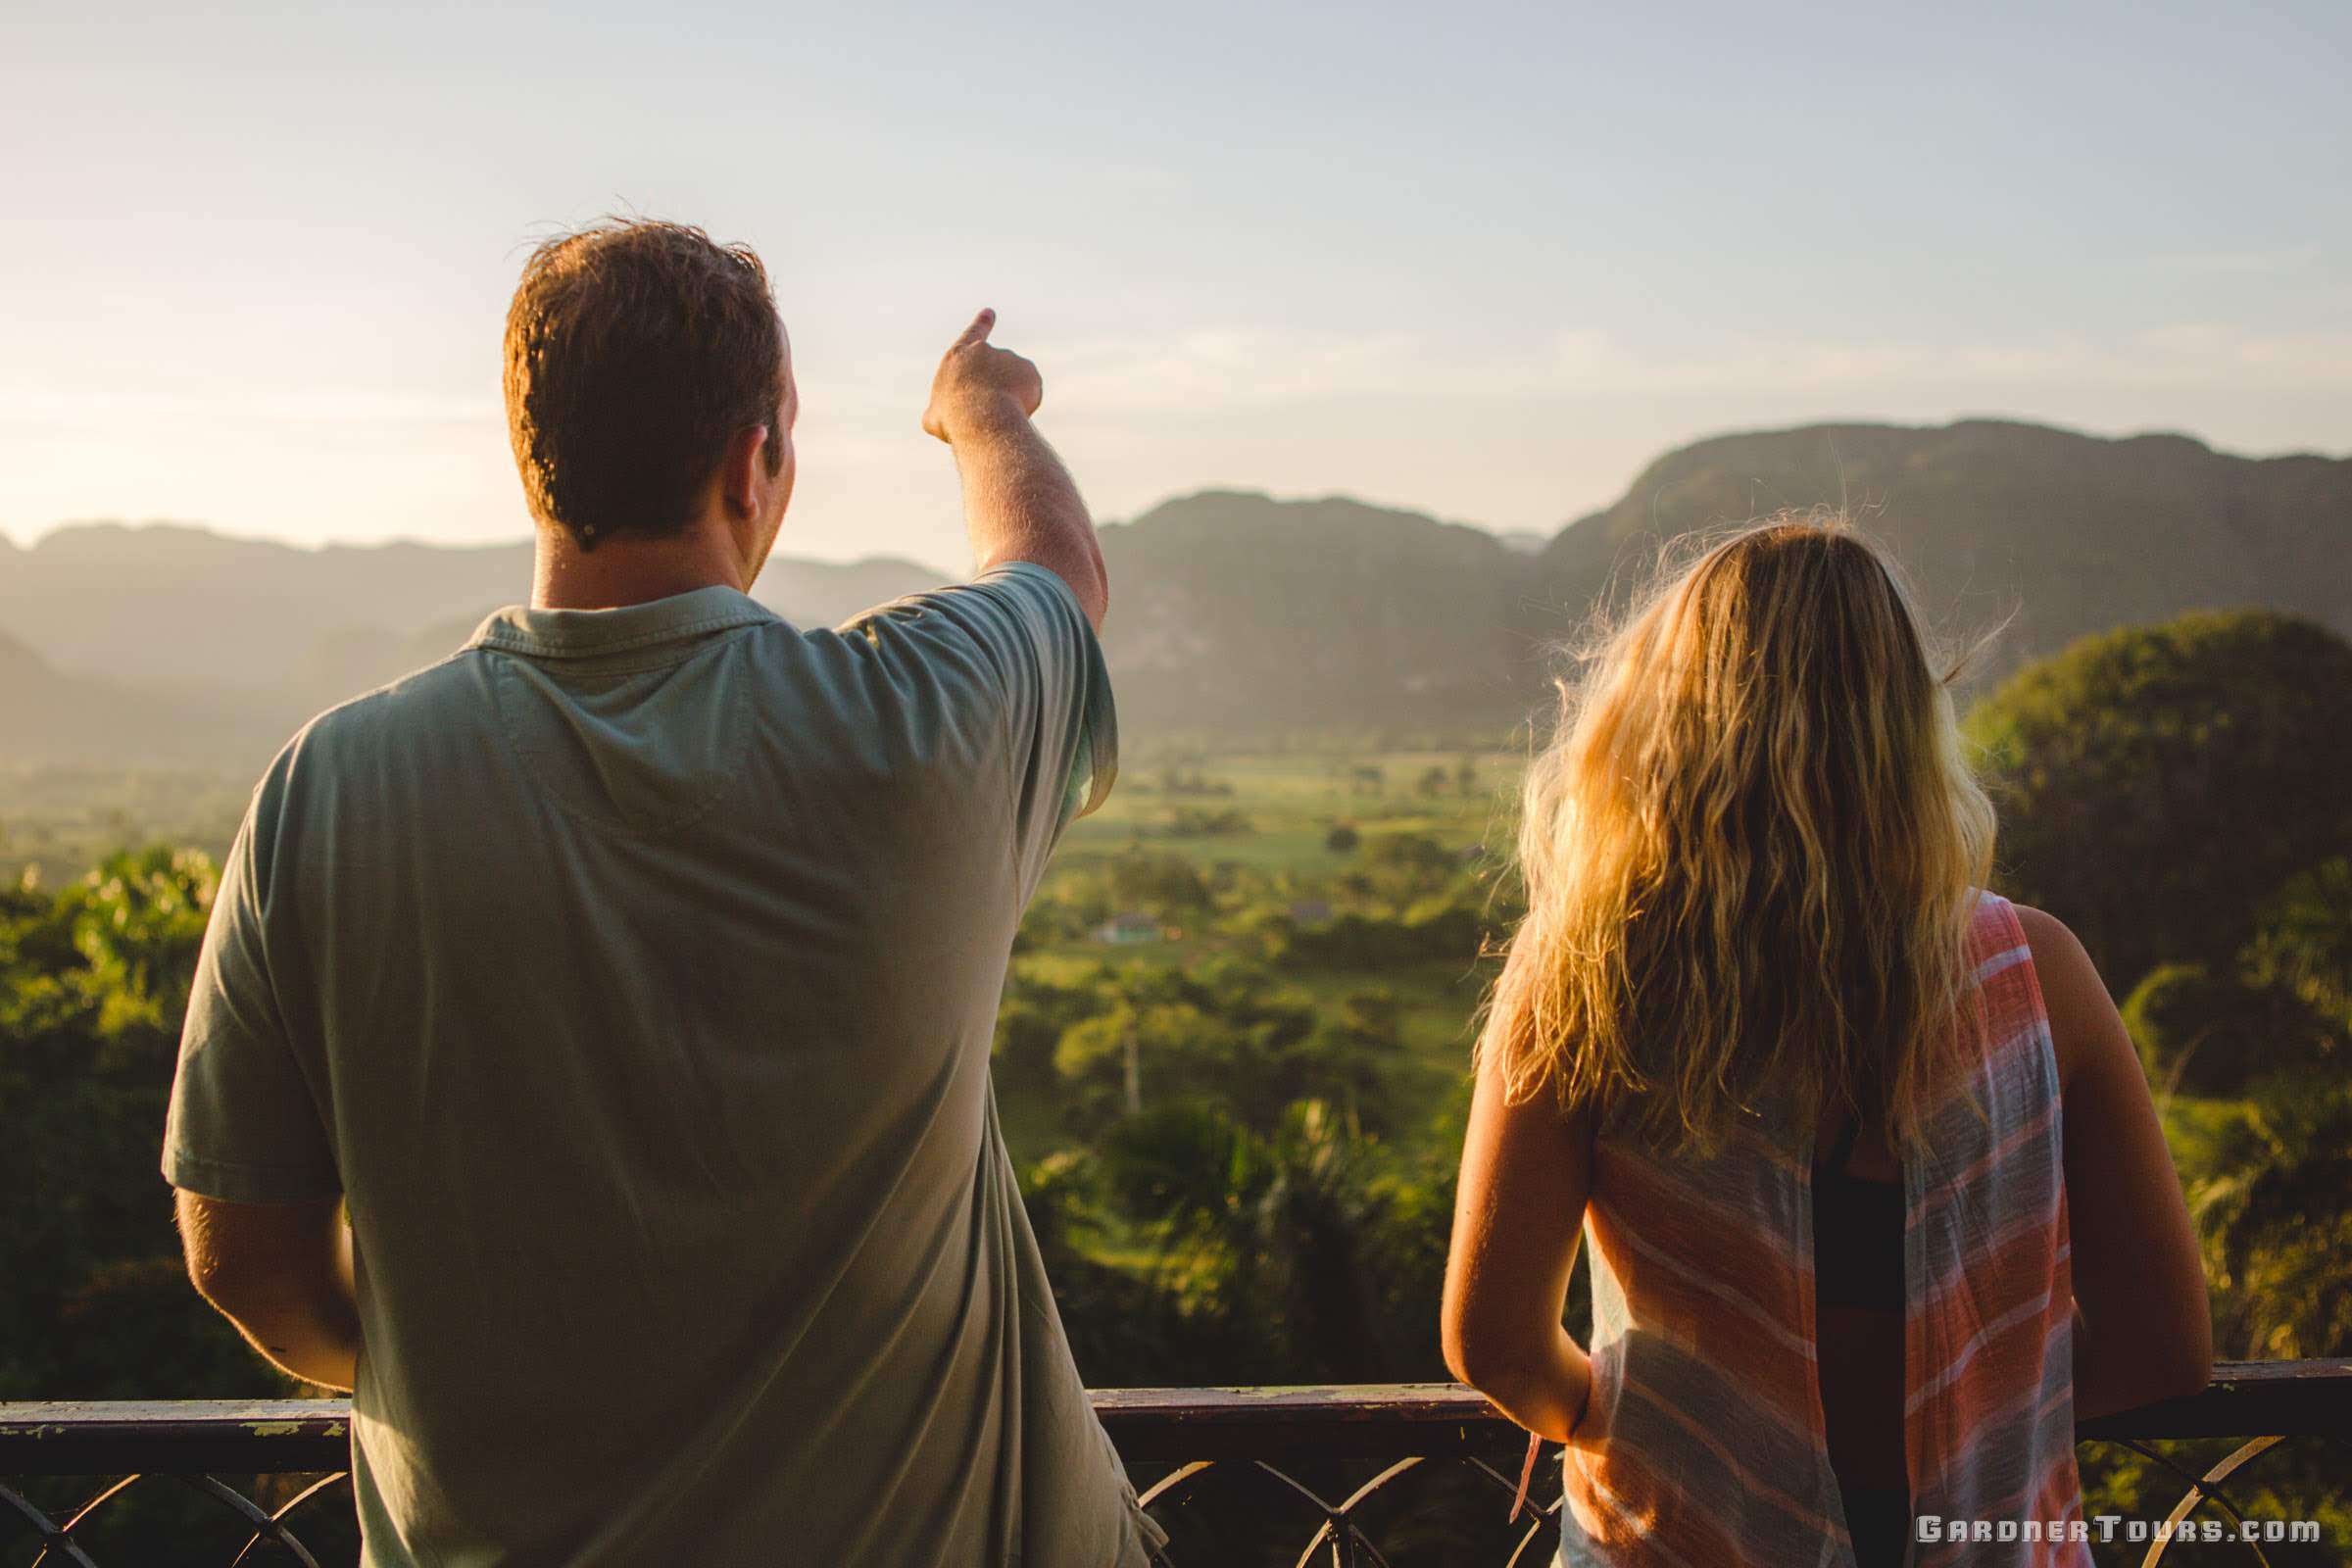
{"points": [[1352, 1476]]}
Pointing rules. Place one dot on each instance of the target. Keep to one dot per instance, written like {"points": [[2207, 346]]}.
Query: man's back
{"points": [[634, 973]]}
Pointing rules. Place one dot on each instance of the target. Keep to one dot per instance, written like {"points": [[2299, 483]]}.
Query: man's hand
{"points": [[1018, 501], [980, 387]]}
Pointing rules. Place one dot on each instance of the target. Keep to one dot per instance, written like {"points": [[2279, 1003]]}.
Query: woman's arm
{"points": [[2142, 1328], [1517, 1216]]}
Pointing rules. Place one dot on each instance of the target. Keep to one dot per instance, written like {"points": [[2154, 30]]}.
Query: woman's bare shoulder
{"points": [[2071, 992]]}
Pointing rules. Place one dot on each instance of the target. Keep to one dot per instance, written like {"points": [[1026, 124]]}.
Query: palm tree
{"points": [[2277, 1227], [1272, 1229]]}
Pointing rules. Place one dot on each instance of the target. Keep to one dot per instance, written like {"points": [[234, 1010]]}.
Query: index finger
{"points": [[978, 331]]}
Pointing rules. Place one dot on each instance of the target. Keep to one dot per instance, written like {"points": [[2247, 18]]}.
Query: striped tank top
{"points": [[1704, 1443]]}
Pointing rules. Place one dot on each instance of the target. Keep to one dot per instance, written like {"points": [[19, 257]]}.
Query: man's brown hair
{"points": [[635, 350]]}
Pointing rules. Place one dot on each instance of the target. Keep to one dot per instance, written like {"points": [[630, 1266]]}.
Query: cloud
{"points": [[1208, 369], [1228, 366], [864, 413], [2274, 262]]}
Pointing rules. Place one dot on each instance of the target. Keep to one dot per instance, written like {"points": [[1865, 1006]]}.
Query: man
{"points": [[628, 980]]}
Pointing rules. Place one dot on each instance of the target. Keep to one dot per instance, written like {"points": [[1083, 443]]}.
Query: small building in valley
{"points": [[1133, 926]]}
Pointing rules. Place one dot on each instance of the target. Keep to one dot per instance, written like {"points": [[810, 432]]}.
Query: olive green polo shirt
{"points": [[633, 973]]}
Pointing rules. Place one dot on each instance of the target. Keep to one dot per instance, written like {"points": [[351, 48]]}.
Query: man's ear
{"points": [[743, 469]]}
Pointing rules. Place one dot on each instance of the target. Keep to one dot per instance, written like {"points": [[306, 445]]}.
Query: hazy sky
{"points": [[1481, 260]]}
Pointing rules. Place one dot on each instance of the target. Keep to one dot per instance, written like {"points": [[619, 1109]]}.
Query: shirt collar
{"points": [[591, 633]]}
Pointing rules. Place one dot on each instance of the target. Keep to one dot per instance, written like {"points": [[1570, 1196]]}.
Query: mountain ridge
{"points": [[1993, 515], [273, 604], [1236, 613]]}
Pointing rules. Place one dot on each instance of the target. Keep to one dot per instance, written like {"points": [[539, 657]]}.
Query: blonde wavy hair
{"points": [[1750, 852]]}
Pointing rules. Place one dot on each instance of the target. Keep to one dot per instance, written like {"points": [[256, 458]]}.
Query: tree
{"points": [[1124, 1327], [93, 984], [1164, 884], [2201, 1030], [2271, 1195], [1341, 839], [1226, 1032], [1030, 1023], [1398, 869], [2278, 1230], [2305, 943], [2158, 783], [1279, 1228]]}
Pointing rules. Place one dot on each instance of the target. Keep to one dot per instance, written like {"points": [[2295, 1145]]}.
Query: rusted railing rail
{"points": [[1344, 1471]]}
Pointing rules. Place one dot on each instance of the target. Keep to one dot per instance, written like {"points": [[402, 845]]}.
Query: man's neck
{"points": [[627, 570]]}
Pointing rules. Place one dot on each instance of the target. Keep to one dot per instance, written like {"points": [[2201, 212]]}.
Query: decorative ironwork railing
{"points": [[1351, 1476]]}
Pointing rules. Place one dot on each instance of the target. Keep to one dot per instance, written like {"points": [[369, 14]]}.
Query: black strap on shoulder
{"points": [[1844, 1152]]}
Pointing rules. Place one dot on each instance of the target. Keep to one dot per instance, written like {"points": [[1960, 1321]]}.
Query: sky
{"points": [[1484, 261]]}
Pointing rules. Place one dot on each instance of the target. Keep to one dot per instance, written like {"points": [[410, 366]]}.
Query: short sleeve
{"points": [[1025, 637], [244, 1125]]}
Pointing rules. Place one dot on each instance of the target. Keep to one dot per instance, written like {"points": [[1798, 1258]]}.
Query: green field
{"points": [[1259, 830]]}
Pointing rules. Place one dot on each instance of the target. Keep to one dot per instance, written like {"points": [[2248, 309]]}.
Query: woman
{"points": [[1761, 1037]]}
